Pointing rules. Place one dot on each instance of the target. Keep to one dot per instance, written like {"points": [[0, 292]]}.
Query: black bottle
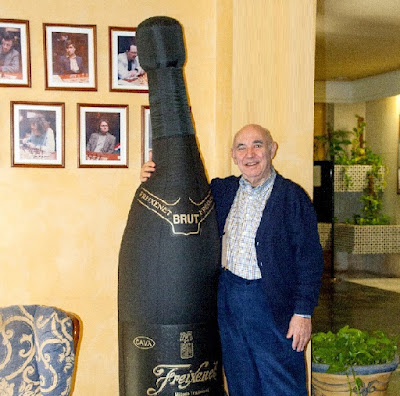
{"points": [[170, 253]]}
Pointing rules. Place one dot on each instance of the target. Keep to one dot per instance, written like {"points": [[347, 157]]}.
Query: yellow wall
{"points": [[273, 77], [61, 228]]}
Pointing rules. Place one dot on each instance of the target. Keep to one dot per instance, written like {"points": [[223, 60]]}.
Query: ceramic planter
{"points": [[375, 380], [367, 239], [357, 174]]}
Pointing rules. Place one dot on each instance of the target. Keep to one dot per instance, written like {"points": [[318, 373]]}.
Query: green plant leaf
{"points": [[351, 347]]}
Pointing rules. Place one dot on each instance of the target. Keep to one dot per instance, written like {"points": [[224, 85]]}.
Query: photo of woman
{"points": [[38, 134]]}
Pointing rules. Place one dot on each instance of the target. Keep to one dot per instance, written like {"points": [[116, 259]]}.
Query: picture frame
{"points": [[15, 70], [102, 136], [126, 74], [146, 133], [398, 161], [37, 134], [70, 57], [146, 146]]}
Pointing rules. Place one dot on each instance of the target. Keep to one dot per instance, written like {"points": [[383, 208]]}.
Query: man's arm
{"points": [[309, 268], [111, 144], [91, 145], [139, 69], [122, 66], [11, 63]]}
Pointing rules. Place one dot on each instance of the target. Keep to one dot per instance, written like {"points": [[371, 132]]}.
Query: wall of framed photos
{"points": [[62, 224]]}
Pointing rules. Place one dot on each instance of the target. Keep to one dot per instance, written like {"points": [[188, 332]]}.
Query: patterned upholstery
{"points": [[36, 351]]}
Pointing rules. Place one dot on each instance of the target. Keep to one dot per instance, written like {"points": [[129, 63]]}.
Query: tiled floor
{"points": [[364, 302]]}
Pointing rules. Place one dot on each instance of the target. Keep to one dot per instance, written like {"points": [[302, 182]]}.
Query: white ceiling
{"points": [[356, 38]]}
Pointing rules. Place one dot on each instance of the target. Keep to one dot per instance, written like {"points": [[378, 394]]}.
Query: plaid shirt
{"points": [[241, 227]]}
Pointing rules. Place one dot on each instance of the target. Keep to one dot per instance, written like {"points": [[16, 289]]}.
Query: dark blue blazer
{"points": [[287, 243], [64, 65]]}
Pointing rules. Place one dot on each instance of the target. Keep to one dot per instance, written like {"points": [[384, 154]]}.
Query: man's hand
{"points": [[147, 169], [300, 331]]}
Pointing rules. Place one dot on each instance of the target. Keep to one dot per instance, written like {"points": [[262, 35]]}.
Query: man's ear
{"points": [[274, 148], [233, 156]]}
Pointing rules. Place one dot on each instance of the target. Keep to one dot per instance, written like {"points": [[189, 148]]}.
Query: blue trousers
{"points": [[258, 359]]}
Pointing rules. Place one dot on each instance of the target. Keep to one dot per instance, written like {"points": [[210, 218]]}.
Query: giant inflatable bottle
{"points": [[169, 256]]}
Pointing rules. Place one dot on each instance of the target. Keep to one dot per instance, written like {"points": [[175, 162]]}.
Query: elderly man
{"points": [[128, 64], [271, 271], [9, 57]]}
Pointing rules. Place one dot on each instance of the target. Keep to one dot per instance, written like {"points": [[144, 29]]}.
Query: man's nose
{"points": [[249, 152]]}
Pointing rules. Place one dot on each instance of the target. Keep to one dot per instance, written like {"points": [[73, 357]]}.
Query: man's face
{"points": [[70, 50], [6, 45], [103, 127], [252, 151], [132, 53]]}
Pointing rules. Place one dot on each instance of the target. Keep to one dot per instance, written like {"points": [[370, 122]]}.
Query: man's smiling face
{"points": [[252, 151]]}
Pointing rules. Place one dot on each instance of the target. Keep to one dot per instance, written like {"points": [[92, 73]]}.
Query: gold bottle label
{"points": [[184, 215]]}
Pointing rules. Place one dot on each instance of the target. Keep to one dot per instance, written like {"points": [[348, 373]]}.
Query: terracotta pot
{"points": [[375, 380]]}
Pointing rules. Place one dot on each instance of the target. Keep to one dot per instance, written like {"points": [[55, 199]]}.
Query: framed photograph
{"points": [[398, 162], [37, 134], [15, 62], [103, 135], [126, 74], [70, 57], [146, 134]]}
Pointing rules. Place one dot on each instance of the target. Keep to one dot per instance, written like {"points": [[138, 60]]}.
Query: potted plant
{"points": [[352, 362], [358, 169]]}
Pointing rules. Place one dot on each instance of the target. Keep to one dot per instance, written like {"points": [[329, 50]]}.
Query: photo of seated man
{"points": [[102, 141], [70, 63], [128, 64], [9, 56]]}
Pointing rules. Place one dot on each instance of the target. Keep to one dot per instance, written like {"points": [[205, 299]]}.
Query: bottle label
{"points": [[184, 215], [183, 376], [171, 360]]}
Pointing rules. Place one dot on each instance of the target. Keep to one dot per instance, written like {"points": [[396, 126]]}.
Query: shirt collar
{"points": [[245, 184]]}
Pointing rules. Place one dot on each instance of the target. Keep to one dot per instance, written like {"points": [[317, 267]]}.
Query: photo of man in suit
{"points": [[70, 63], [9, 56], [128, 64], [102, 141]]}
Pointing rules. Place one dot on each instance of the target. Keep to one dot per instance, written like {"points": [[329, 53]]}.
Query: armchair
{"points": [[37, 350]]}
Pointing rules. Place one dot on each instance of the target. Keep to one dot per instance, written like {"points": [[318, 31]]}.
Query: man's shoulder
{"points": [[287, 186], [122, 56], [221, 186], [14, 52], [225, 181]]}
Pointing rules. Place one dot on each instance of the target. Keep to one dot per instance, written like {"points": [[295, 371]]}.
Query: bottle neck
{"points": [[169, 109]]}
